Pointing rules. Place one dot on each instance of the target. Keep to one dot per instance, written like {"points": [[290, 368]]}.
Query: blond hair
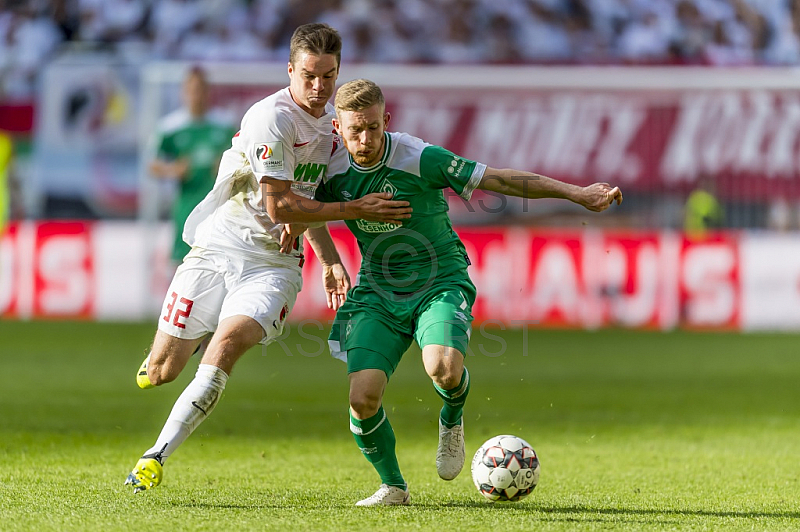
{"points": [[358, 95]]}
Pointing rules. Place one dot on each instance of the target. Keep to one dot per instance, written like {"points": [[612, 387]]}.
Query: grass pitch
{"points": [[635, 430]]}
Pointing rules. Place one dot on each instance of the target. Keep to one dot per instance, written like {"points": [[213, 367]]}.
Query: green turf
{"points": [[635, 430]]}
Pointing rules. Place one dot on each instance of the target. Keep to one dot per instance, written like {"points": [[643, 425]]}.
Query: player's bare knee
{"points": [[447, 380], [444, 374], [364, 404]]}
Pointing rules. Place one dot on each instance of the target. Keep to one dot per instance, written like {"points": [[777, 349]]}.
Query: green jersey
{"points": [[424, 250], [201, 142]]}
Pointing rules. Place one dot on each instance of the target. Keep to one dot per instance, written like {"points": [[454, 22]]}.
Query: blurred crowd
{"points": [[715, 32]]}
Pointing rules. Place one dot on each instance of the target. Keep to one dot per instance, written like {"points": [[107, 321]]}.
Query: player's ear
{"points": [[386, 117], [290, 69]]}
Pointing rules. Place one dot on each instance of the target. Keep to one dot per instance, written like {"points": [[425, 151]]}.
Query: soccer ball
{"points": [[505, 468]]}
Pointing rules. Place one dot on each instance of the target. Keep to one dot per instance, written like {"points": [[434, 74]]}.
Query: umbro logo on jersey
{"points": [[301, 144]]}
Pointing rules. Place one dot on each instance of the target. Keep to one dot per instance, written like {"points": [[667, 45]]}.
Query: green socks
{"points": [[375, 439], [454, 401]]}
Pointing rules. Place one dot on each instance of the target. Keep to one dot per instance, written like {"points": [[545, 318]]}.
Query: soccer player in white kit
{"points": [[242, 276]]}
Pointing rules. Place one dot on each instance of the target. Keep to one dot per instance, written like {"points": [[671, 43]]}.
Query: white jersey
{"points": [[277, 139]]}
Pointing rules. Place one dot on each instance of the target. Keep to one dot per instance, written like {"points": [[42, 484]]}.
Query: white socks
{"points": [[192, 407]]}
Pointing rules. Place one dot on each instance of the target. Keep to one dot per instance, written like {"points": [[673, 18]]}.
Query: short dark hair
{"points": [[317, 39], [198, 72]]}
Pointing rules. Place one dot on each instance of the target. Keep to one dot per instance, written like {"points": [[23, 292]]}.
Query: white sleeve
{"points": [[267, 140]]}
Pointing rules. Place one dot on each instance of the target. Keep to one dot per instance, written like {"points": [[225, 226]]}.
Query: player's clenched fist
{"points": [[600, 196]]}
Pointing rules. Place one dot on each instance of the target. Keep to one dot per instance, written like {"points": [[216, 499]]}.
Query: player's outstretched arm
{"points": [[163, 169], [284, 206], [335, 279], [595, 197]]}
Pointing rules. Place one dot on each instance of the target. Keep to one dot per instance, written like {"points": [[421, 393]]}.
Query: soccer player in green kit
{"points": [[413, 282], [188, 146]]}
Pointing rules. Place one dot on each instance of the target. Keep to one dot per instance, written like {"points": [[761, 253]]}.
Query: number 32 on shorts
{"points": [[182, 308]]}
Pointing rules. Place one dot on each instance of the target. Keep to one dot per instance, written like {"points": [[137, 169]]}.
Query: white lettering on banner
{"points": [[679, 161], [669, 312], [8, 274], [556, 284], [66, 281], [639, 307], [25, 253], [741, 132], [514, 294], [709, 283], [502, 293], [594, 265], [721, 131], [780, 157], [613, 162], [757, 130], [560, 135]]}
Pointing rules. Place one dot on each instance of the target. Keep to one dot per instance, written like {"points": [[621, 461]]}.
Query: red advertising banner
{"points": [[587, 278], [643, 140], [47, 270], [649, 131], [64, 270], [584, 278]]}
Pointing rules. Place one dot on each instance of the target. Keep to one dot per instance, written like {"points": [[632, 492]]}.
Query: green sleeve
{"points": [[166, 147], [324, 192], [441, 168]]}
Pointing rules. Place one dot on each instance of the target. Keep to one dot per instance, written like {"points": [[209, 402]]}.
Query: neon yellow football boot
{"points": [[147, 474], [142, 380]]}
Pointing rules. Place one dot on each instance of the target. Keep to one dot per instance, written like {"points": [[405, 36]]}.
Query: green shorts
{"points": [[372, 332]]}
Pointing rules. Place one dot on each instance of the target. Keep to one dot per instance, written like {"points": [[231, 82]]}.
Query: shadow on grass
{"points": [[569, 510], [565, 513], [665, 512]]}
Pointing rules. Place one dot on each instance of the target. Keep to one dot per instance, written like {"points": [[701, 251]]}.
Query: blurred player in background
{"points": [[6, 155], [242, 276], [703, 212], [188, 146], [413, 283]]}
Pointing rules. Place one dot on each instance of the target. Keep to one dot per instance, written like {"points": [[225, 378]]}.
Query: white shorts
{"points": [[210, 286]]}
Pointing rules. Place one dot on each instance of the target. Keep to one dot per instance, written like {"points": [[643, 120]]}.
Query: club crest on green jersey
{"points": [[379, 227]]}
